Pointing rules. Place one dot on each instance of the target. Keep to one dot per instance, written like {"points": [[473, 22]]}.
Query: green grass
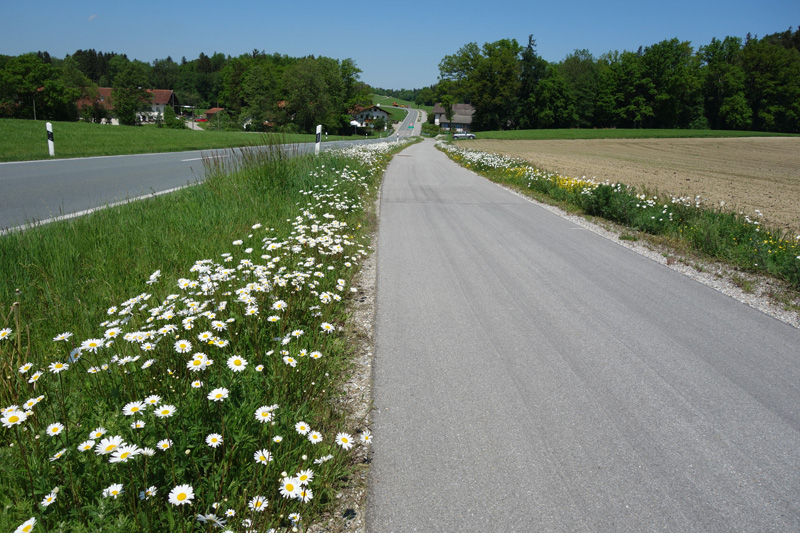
{"points": [[566, 134], [267, 226], [25, 140], [396, 114], [387, 101]]}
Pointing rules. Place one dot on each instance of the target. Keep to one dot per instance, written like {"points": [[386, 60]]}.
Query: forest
{"points": [[733, 83], [272, 91]]}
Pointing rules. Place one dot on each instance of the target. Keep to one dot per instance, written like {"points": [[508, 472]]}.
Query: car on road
{"points": [[457, 136]]}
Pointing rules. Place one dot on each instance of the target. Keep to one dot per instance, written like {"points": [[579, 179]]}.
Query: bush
{"points": [[171, 120], [430, 130]]}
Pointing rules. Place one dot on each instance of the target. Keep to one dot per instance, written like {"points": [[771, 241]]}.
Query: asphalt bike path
{"points": [[531, 375]]}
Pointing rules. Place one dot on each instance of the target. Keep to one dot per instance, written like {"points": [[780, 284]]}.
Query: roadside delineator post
{"points": [[319, 139], [50, 144]]}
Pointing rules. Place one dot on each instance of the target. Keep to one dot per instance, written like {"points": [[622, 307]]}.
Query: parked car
{"points": [[457, 136]]}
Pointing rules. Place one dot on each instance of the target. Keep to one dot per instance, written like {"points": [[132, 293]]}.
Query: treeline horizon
{"points": [[269, 91], [733, 83]]}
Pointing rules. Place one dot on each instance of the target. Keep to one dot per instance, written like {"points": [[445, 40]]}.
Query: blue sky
{"points": [[396, 45]]}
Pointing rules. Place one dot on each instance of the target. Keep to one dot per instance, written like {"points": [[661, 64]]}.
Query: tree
{"points": [[314, 89], [772, 85], [426, 96], [58, 101], [128, 102], [171, 120], [129, 94], [458, 69], [581, 73], [447, 102], [552, 101], [495, 85], [20, 81], [673, 91], [726, 106], [379, 124], [532, 71], [164, 74], [631, 90]]}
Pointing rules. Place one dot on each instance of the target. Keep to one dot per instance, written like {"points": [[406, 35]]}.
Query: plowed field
{"points": [[745, 173]]}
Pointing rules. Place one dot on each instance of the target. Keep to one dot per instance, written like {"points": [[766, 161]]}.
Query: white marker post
{"points": [[50, 144], [319, 139]]}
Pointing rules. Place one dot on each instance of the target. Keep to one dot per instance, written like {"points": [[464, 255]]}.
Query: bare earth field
{"points": [[745, 173]]}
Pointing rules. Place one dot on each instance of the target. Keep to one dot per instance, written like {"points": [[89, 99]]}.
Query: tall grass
{"points": [[738, 238], [185, 347]]}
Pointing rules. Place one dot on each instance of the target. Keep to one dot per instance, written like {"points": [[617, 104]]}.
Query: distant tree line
{"points": [[750, 84], [264, 90]]}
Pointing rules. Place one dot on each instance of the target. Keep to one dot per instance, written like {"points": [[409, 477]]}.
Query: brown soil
{"points": [[745, 173]]}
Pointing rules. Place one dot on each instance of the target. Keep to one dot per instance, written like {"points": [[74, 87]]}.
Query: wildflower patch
{"points": [[205, 400]]}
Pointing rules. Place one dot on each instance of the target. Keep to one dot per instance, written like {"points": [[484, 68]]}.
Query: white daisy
{"points": [[112, 491], [344, 440], [214, 440], [237, 363], [258, 503], [181, 494], [262, 456], [290, 487]]}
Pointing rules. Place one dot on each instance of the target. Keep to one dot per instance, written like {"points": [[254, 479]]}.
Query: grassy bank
{"points": [[26, 140], [114, 416], [714, 233], [561, 134]]}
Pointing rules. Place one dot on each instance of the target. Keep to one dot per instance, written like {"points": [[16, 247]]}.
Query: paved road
{"points": [[533, 376], [39, 190]]}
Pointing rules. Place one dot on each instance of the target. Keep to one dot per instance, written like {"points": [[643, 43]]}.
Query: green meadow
{"points": [[26, 140]]}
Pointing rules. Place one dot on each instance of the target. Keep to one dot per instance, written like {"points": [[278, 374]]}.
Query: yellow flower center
{"points": [[124, 455], [13, 419], [289, 487], [181, 496], [111, 447]]}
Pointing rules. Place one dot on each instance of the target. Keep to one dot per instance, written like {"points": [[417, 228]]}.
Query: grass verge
{"points": [[26, 140], [173, 364], [735, 239]]}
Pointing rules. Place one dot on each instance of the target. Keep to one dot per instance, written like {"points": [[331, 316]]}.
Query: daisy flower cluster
{"points": [[211, 392]]}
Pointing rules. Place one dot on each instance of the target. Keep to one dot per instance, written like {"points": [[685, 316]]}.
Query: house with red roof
{"points": [[155, 103]]}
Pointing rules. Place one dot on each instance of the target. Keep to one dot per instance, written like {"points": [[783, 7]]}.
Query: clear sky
{"points": [[395, 44]]}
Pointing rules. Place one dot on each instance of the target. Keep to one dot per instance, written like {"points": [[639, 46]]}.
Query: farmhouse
{"points": [[365, 115], [462, 117], [156, 102], [211, 113]]}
